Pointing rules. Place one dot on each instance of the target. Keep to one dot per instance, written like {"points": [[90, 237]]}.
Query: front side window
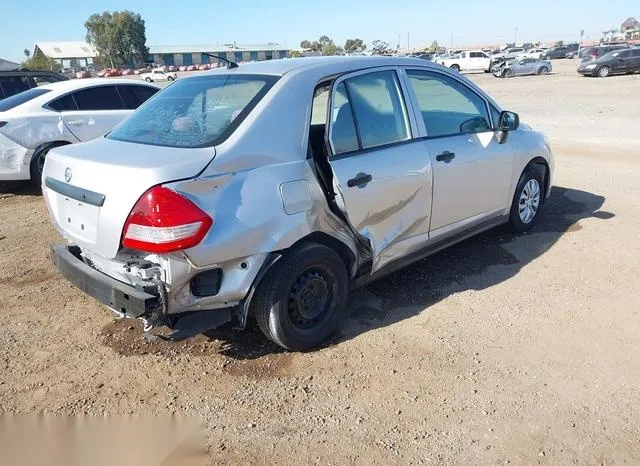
{"points": [[448, 107], [195, 112], [98, 98]]}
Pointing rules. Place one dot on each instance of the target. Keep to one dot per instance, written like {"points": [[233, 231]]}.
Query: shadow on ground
{"points": [[401, 295], [409, 291], [18, 188]]}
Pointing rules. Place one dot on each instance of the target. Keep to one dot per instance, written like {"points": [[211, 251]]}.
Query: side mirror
{"points": [[509, 121]]}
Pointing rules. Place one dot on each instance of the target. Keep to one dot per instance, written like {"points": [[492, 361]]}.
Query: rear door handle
{"points": [[360, 180], [445, 157], [77, 122]]}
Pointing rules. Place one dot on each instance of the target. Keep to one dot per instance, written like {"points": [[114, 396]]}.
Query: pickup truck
{"points": [[469, 60]]}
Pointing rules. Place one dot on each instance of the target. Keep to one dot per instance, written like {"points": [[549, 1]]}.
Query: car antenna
{"points": [[230, 64]]}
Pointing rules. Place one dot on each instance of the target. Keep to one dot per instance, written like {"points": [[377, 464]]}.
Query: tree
{"points": [[27, 53], [560, 43], [434, 46], [324, 45], [379, 47], [119, 37], [354, 45], [40, 62]]}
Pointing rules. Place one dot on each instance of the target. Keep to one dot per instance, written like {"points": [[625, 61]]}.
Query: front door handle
{"points": [[360, 180], [77, 122], [445, 157]]}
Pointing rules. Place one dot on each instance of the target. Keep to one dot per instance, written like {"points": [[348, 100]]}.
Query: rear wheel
{"points": [[604, 71], [148, 79], [527, 199], [37, 162], [301, 300], [169, 78], [455, 68], [543, 70]]}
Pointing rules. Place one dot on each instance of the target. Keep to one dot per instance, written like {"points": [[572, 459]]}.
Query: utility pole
{"points": [[515, 41], [398, 42], [408, 42], [452, 39]]}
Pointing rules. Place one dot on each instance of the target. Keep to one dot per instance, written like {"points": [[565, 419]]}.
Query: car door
{"points": [[382, 176], [634, 64], [99, 109], [622, 63], [472, 171]]}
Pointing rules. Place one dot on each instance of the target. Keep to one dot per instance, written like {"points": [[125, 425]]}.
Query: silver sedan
{"points": [[269, 190], [522, 67]]}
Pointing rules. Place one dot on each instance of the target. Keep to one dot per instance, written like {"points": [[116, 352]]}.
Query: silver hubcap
{"points": [[604, 71], [529, 201]]}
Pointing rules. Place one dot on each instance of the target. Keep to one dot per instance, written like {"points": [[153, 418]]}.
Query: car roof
{"points": [[74, 84], [283, 66]]}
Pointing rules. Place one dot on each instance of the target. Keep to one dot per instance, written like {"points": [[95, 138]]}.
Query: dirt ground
{"points": [[502, 349]]}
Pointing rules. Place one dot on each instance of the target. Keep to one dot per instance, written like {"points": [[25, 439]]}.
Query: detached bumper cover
{"points": [[116, 295]]}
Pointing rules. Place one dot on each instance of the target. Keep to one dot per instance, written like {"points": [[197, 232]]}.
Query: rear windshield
{"points": [[195, 112], [20, 98]]}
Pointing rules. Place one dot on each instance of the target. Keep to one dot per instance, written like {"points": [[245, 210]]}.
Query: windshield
{"points": [[195, 112], [21, 98]]}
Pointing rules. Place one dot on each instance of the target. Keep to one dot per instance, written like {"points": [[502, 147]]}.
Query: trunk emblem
{"points": [[67, 174]]}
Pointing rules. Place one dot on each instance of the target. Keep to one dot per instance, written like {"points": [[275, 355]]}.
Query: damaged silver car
{"points": [[269, 190]]}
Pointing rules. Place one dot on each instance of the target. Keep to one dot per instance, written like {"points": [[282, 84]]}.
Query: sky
{"points": [[195, 22]]}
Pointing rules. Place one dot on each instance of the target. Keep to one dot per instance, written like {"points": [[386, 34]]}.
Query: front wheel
{"points": [[169, 78], [543, 70], [301, 300], [507, 73], [604, 71], [148, 79], [455, 68], [527, 199]]}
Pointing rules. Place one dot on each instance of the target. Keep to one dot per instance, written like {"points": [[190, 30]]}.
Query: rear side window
{"points": [[63, 104], [98, 98], [134, 96], [12, 85], [448, 107], [635, 53], [21, 98], [195, 112], [343, 129]]}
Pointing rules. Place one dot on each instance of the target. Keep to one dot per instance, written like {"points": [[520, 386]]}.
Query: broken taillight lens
{"points": [[164, 221]]}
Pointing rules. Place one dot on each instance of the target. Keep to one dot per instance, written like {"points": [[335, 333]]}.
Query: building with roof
{"points": [[81, 54], [67, 54], [178, 55], [6, 65]]}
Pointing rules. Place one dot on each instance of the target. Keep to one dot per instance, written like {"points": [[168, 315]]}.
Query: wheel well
{"points": [[329, 241], [48, 145], [540, 162]]}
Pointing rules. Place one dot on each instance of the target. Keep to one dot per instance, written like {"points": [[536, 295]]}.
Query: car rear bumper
{"points": [[120, 297], [14, 160]]}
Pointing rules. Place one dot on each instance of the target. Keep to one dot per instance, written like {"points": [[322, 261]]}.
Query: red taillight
{"points": [[164, 221]]}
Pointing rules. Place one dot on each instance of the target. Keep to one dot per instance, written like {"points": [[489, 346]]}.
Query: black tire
{"points": [[603, 71], [455, 68], [535, 173], [311, 275], [543, 70], [507, 73], [148, 79], [37, 162], [169, 78]]}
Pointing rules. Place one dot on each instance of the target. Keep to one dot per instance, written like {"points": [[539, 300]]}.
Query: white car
{"points": [[159, 75], [468, 60], [39, 119], [533, 53]]}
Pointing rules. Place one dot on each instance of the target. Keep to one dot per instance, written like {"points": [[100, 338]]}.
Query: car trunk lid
{"points": [[91, 188]]}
